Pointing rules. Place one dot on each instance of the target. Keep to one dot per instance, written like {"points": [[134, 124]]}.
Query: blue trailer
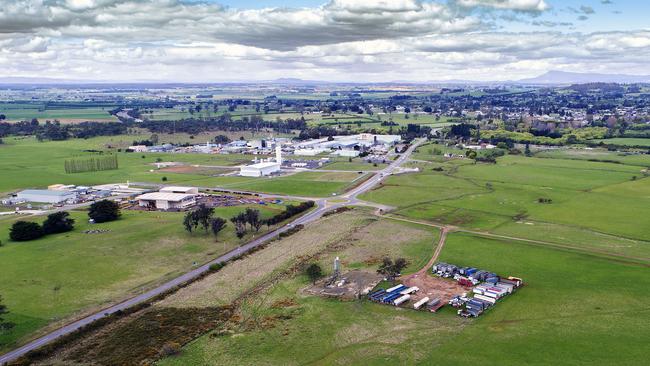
{"points": [[376, 295]]}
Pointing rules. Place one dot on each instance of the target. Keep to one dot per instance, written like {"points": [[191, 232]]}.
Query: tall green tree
{"points": [[217, 224], [104, 211]]}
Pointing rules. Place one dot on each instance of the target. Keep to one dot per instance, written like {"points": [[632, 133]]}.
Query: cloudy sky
{"points": [[340, 40]]}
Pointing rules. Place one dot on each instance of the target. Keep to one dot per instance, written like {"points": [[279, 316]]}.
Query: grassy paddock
{"points": [[571, 305], [48, 280]]}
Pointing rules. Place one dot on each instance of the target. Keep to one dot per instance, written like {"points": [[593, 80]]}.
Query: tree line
{"points": [[57, 131], [91, 165], [61, 222], [250, 219], [223, 123]]}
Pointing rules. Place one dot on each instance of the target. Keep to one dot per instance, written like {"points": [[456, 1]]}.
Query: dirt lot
{"points": [[432, 287], [199, 170], [349, 285]]}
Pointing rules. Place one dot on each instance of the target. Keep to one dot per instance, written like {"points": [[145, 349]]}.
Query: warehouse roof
{"points": [[262, 165], [174, 189], [45, 192], [163, 196]]}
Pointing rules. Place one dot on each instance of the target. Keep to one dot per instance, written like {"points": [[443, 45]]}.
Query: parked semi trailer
{"points": [[419, 304], [401, 299]]}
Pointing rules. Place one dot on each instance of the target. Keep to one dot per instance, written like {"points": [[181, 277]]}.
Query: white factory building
{"points": [[263, 168], [45, 196], [169, 198]]}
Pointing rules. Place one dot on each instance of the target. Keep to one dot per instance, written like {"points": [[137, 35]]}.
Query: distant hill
{"points": [[563, 77]]}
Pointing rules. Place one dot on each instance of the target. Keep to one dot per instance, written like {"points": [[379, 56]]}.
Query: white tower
{"points": [[337, 266], [278, 154]]}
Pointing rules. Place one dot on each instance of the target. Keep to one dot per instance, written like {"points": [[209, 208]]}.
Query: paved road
{"points": [[322, 206]]}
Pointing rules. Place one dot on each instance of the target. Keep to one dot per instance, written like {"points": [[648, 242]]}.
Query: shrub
{"points": [[314, 272], [170, 349], [214, 267], [25, 231]]}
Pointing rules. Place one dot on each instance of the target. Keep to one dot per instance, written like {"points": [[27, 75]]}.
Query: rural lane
{"points": [[321, 208]]}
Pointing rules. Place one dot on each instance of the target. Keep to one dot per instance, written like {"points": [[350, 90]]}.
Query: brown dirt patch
{"points": [[189, 169], [284, 303], [432, 287]]}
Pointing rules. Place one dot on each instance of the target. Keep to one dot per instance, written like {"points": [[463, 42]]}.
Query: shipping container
{"points": [[486, 299], [433, 303]]}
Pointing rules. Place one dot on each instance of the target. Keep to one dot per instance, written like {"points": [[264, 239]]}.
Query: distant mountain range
{"points": [[550, 78], [563, 77]]}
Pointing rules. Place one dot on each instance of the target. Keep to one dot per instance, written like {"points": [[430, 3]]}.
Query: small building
{"points": [[347, 153], [166, 200], [185, 190], [138, 148], [45, 196], [264, 168], [309, 152], [259, 169]]}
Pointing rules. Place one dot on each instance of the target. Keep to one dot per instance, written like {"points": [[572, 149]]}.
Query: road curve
{"points": [[321, 208]]}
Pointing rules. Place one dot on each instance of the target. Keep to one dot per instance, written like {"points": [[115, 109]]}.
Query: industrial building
{"points": [[166, 201], [184, 190], [169, 198], [45, 196], [263, 168]]}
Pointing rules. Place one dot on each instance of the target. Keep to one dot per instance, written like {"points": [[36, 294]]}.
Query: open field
{"points": [[48, 280], [28, 163], [593, 204], [603, 155], [356, 236], [20, 112], [591, 299], [623, 141], [306, 184]]}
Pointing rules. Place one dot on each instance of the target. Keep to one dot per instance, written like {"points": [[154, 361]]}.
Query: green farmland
{"points": [[592, 204], [572, 303], [27, 111], [622, 141], [28, 163], [48, 280]]}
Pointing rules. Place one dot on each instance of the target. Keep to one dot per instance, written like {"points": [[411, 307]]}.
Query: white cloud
{"points": [[517, 5], [341, 40]]}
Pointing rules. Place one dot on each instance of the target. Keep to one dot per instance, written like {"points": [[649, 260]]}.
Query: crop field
{"points": [[524, 329], [20, 112], [48, 280], [306, 184], [627, 158], [592, 204], [623, 141]]}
